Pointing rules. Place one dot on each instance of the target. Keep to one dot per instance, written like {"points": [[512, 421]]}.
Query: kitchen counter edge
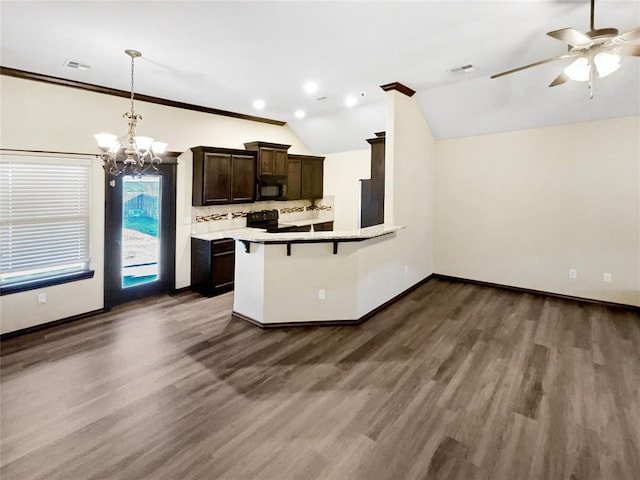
{"points": [[257, 235]]}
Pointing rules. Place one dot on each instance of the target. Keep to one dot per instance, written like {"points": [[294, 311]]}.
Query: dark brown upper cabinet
{"points": [[294, 178], [272, 158], [305, 176], [222, 176], [372, 191]]}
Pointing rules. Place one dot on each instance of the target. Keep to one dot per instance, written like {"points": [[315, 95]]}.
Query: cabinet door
{"points": [[306, 179], [323, 227], [212, 266], [243, 179], [293, 179], [266, 156], [317, 178], [312, 178], [217, 178], [280, 162], [223, 265], [201, 266]]}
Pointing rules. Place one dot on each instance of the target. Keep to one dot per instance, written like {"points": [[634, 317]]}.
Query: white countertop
{"points": [[304, 223], [258, 235]]}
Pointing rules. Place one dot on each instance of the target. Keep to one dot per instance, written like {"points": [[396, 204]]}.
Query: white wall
{"points": [[389, 268], [522, 208], [40, 116], [342, 175], [517, 208], [293, 295], [21, 310], [363, 275]]}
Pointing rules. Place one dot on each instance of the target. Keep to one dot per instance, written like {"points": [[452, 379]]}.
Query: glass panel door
{"points": [[140, 235], [141, 214]]}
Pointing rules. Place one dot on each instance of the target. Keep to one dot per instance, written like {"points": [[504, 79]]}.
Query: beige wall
{"points": [[342, 175], [389, 268], [39, 116], [272, 287], [518, 208], [522, 208]]}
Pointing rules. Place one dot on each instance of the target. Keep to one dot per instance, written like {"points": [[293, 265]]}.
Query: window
{"points": [[44, 221]]}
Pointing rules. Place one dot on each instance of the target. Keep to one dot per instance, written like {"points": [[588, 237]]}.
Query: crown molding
{"points": [[39, 77], [399, 87]]}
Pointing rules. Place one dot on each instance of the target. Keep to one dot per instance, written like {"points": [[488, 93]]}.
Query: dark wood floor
{"points": [[455, 381]]}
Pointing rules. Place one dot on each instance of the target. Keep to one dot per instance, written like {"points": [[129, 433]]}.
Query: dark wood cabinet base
{"points": [[212, 266]]}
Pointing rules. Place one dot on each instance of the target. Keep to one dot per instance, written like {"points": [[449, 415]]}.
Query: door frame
{"points": [[113, 292]]}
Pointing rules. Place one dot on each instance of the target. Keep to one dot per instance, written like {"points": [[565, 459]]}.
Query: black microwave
{"points": [[271, 188]]}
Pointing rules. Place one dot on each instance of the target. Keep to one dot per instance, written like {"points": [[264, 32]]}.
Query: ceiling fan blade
{"points": [[535, 64], [559, 80], [572, 37], [628, 50], [631, 34]]}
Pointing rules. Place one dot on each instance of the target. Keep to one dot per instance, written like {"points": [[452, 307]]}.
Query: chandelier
{"points": [[141, 153]]}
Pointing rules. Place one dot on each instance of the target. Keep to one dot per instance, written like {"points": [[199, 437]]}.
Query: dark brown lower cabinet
{"points": [[212, 266], [323, 227]]}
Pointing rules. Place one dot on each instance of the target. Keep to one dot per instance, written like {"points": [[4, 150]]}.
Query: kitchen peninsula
{"points": [[294, 278]]}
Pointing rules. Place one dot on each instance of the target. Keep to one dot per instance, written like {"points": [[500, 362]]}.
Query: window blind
{"points": [[44, 217]]}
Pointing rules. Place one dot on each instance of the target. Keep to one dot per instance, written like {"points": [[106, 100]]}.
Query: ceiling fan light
{"points": [[606, 63], [578, 70]]}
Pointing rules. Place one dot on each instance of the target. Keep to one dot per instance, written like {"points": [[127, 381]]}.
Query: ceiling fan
{"points": [[597, 51]]}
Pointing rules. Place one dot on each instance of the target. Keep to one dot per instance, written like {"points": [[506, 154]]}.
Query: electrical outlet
{"points": [[321, 294], [573, 273], [42, 298], [607, 278]]}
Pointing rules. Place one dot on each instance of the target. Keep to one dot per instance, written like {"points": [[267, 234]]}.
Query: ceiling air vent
{"points": [[460, 70], [76, 65]]}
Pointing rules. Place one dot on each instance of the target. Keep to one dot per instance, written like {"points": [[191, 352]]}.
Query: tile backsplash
{"points": [[226, 217]]}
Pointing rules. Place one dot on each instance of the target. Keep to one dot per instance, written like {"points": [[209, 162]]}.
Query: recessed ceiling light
{"points": [[311, 87], [258, 104], [299, 114], [350, 101]]}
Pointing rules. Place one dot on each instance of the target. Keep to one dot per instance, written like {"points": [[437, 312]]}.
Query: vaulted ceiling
{"points": [[227, 54]]}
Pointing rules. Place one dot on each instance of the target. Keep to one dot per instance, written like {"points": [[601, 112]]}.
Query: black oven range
{"points": [[268, 220]]}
